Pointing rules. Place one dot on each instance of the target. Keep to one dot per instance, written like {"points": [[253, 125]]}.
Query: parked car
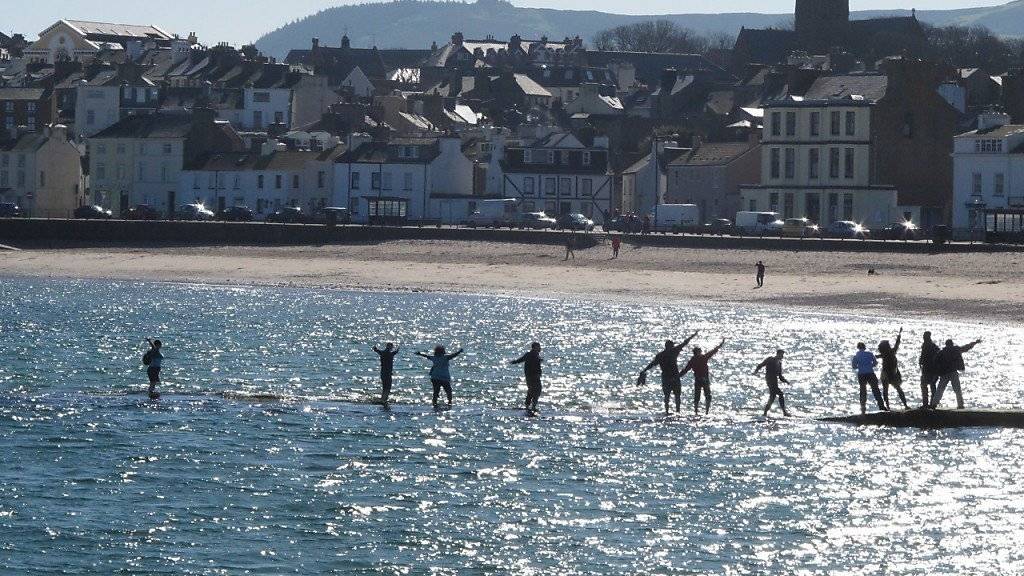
{"points": [[800, 228], [615, 224], [720, 226], [497, 213], [10, 210], [236, 214], [536, 221], [577, 222], [93, 213], [905, 230], [194, 212], [847, 229], [287, 215], [142, 212], [675, 218], [333, 215], [759, 223]]}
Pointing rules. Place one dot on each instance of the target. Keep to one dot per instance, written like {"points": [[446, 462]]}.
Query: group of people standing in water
{"points": [[939, 367]]}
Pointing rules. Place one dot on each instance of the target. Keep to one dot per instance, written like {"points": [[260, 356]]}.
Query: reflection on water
{"points": [[199, 483]]}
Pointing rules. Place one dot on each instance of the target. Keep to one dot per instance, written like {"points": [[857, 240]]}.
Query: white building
{"points": [[42, 173], [988, 171], [79, 40], [816, 163], [405, 179], [102, 101]]}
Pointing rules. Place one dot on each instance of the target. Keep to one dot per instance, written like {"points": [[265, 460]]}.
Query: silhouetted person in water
{"points": [[668, 361], [864, 362], [950, 363], [773, 375], [928, 362], [891, 370], [387, 368], [440, 375], [760, 274], [531, 362], [701, 376], [154, 360]]}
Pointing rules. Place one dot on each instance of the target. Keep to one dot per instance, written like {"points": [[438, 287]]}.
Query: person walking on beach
{"points": [[773, 375], [950, 363], [701, 376], [891, 370], [153, 359], [440, 374], [616, 245], [387, 369], [760, 274], [668, 361], [570, 245], [864, 363], [927, 361], [531, 362]]}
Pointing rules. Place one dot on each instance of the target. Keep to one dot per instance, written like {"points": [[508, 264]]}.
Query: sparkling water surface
{"points": [[97, 479]]}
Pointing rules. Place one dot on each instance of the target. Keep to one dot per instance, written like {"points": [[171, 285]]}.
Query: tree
{"points": [[652, 36]]}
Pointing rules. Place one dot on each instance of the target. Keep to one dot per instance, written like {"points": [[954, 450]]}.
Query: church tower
{"points": [[821, 24]]}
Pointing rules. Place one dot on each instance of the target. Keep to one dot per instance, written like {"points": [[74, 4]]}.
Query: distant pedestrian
{"points": [[440, 374], [531, 362], [570, 245], [646, 229], [928, 362], [387, 369], [701, 376], [760, 273], [950, 364], [153, 359], [891, 377], [864, 363], [773, 375], [616, 245]]}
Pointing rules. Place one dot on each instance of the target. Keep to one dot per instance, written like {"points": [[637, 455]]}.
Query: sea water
{"points": [[211, 479]]}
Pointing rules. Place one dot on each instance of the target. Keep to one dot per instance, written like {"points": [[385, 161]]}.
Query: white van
{"points": [[759, 222], [675, 217], [497, 213]]}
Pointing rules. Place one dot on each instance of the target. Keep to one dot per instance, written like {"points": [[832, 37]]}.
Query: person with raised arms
{"points": [[668, 361], [701, 376], [440, 373], [773, 375], [891, 376], [531, 362], [387, 369]]}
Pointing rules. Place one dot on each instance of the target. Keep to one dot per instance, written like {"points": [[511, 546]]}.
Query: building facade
{"points": [[988, 172], [711, 177], [42, 173]]}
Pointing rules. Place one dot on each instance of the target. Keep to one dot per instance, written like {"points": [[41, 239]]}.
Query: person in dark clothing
{"points": [[440, 374], [950, 363], [531, 362], [760, 274], [387, 369], [570, 245], [773, 375], [153, 359], [927, 361], [864, 363], [668, 361], [701, 376], [616, 245], [891, 370]]}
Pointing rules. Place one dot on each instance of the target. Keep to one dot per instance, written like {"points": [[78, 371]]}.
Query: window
{"points": [[790, 163], [565, 186], [976, 181], [321, 178], [375, 181], [101, 148], [90, 117], [168, 148], [998, 185], [833, 162], [278, 181], [775, 163], [847, 206], [851, 123], [834, 123], [527, 156], [790, 123], [21, 160], [386, 177], [142, 148], [787, 207], [528, 187], [848, 164], [833, 207], [551, 156], [549, 186], [588, 187], [295, 181], [21, 179], [163, 173], [3, 178], [120, 171], [278, 117], [237, 183], [815, 123], [142, 172], [261, 96], [813, 161], [120, 148], [5, 160], [8, 106], [31, 106], [354, 184], [773, 202], [587, 159], [259, 181], [257, 119], [988, 145], [101, 171], [564, 156], [776, 123], [407, 181]]}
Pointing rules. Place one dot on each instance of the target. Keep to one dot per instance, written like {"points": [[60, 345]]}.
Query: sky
{"points": [[242, 22]]}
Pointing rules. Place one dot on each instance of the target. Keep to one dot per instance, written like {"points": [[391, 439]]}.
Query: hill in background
{"points": [[415, 24]]}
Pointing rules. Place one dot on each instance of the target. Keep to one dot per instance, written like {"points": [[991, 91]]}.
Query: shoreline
{"points": [[978, 287]]}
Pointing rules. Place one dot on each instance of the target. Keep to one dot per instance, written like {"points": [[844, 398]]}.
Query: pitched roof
{"points": [[279, 161], [531, 88], [765, 46], [109, 29], [387, 152], [157, 125], [649, 65], [21, 93], [871, 86], [714, 154], [995, 132]]}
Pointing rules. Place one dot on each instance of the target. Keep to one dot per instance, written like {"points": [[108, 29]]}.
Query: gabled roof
{"points": [[871, 87], [388, 152], [765, 46], [157, 125], [278, 161], [531, 88], [649, 65]]}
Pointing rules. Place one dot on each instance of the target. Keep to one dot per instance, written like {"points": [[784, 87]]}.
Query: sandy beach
{"points": [[967, 286]]}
